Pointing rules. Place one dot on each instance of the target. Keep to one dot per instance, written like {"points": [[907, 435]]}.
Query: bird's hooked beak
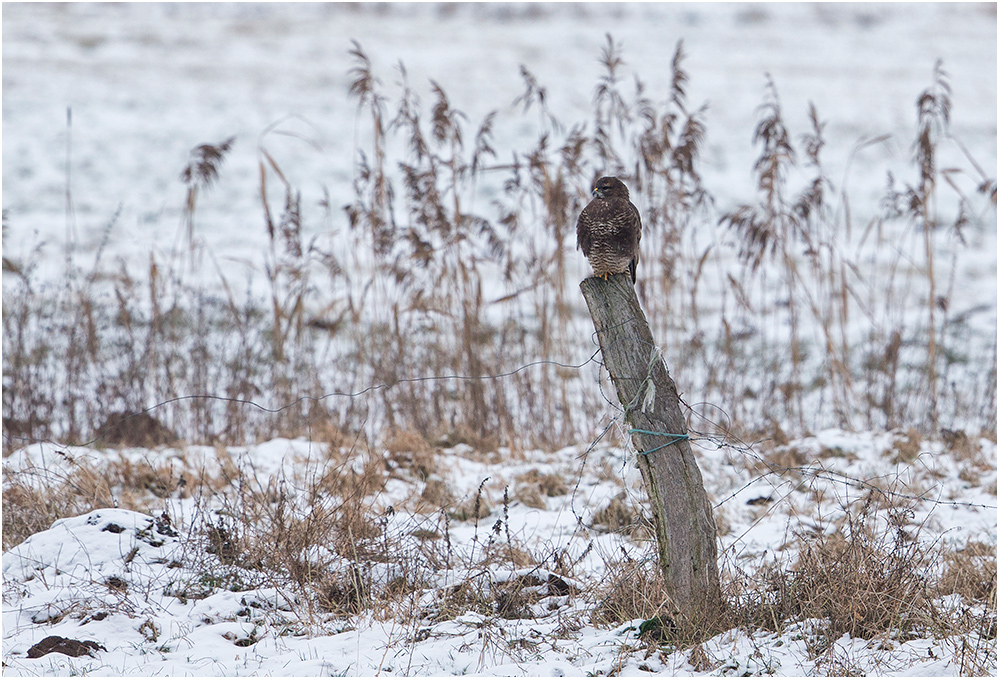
{"points": [[596, 193]]}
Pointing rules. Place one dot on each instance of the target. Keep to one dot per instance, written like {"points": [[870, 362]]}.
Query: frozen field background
{"points": [[147, 83]]}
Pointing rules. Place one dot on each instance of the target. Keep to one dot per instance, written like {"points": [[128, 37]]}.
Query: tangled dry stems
{"points": [[321, 537], [412, 296]]}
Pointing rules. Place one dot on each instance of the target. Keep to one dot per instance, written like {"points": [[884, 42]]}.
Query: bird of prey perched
{"points": [[609, 230]]}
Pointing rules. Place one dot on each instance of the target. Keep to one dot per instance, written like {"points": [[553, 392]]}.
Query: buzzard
{"points": [[609, 230]]}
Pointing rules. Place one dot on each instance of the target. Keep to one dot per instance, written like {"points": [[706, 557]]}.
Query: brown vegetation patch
{"points": [[971, 572], [632, 590], [437, 494], [347, 594], [508, 554], [409, 450], [862, 584], [139, 430], [531, 496], [474, 508], [515, 597], [905, 447], [33, 501], [859, 580], [533, 485], [340, 477], [616, 515], [959, 444], [481, 444], [779, 460]]}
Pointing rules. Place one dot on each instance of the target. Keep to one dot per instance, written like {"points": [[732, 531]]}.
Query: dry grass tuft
{"points": [[347, 594], [869, 579], [635, 590], [28, 509], [616, 515], [781, 460], [136, 430], [548, 483], [410, 451], [632, 590], [34, 499], [533, 486], [971, 572], [906, 447], [864, 584], [437, 494], [472, 509]]}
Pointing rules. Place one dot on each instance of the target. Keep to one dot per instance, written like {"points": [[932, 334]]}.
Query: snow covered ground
{"points": [[144, 588]]}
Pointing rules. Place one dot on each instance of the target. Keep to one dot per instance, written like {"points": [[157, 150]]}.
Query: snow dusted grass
{"points": [[298, 558], [440, 294]]}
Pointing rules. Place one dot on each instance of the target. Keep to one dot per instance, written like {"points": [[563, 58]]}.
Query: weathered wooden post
{"points": [[682, 514]]}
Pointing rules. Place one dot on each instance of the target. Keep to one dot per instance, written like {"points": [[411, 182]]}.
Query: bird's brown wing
{"points": [[584, 224], [637, 230]]}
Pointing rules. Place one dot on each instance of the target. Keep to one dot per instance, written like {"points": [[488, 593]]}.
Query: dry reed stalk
{"points": [[408, 304]]}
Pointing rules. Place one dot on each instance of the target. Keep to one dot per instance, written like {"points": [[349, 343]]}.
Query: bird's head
{"points": [[610, 187]]}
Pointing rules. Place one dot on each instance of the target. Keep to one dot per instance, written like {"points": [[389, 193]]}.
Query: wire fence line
{"points": [[724, 438], [557, 548]]}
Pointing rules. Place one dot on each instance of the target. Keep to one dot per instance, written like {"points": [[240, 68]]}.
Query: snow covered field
{"points": [[147, 83], [148, 591], [488, 562]]}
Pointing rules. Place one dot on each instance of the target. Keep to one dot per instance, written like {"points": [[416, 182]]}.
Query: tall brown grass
{"points": [[443, 302]]}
